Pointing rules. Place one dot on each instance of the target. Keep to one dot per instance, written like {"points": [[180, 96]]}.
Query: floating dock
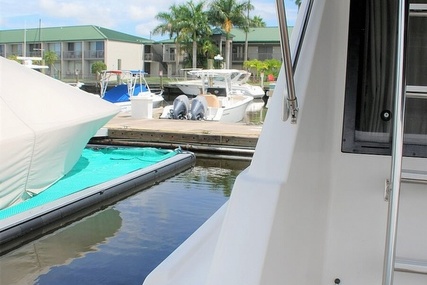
{"points": [[22, 227], [198, 136]]}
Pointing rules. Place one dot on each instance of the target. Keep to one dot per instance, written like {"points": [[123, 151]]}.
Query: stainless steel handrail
{"points": [[290, 104], [397, 148]]}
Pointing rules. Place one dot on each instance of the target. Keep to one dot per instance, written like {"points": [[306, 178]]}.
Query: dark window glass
{"points": [[370, 78]]}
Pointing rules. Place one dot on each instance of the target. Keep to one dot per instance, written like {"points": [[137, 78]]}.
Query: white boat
{"points": [[239, 79], [28, 62], [130, 84], [212, 104], [44, 126], [334, 194]]}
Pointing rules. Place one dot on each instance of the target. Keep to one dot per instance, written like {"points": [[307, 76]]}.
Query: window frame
{"points": [[351, 143]]}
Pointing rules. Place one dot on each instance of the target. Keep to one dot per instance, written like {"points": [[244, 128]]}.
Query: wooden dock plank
{"points": [[123, 129]]}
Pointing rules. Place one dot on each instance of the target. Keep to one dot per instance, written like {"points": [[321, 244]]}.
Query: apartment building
{"points": [[77, 48], [263, 43]]}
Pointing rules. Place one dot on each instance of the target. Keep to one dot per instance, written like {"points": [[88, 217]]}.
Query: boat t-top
{"points": [[128, 83], [239, 79]]}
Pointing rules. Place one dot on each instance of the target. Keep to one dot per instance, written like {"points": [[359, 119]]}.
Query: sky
{"points": [[136, 17]]}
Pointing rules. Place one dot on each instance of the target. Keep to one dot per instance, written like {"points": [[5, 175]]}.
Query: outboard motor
{"points": [[181, 104], [199, 107]]}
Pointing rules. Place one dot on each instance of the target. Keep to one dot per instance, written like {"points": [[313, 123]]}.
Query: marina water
{"points": [[124, 242]]}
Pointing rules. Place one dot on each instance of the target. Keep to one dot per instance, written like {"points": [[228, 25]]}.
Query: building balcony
{"points": [[238, 57], [94, 54], [168, 57], [37, 53], [149, 56], [72, 55]]}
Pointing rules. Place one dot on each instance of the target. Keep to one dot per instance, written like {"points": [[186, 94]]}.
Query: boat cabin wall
{"points": [[330, 219], [304, 212]]}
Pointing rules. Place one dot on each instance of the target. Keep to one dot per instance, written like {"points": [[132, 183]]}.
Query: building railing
{"points": [[94, 54], [256, 55], [34, 53], [148, 56], [72, 55], [168, 57]]}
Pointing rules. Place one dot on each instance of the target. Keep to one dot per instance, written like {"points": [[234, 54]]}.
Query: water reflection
{"points": [[123, 243], [256, 112], [26, 263]]}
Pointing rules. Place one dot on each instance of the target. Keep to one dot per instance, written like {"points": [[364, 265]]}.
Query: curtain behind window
{"points": [[378, 80]]}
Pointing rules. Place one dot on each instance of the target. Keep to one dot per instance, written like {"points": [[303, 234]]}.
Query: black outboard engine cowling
{"points": [[199, 107], [181, 104]]}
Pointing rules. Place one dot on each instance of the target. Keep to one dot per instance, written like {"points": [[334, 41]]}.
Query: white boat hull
{"points": [[304, 212], [191, 88], [233, 113], [44, 128]]}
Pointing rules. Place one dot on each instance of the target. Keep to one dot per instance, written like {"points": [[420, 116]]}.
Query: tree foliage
{"points": [[190, 25], [227, 14], [269, 66], [257, 22], [50, 57], [194, 24], [98, 67], [187, 23], [13, 57]]}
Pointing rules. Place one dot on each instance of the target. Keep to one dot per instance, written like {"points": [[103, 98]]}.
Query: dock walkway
{"points": [[198, 136]]}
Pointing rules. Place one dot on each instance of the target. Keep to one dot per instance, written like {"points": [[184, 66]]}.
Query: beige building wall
{"points": [[130, 54]]}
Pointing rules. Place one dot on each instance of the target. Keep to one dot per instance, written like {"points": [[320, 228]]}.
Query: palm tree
{"points": [[209, 49], [193, 22], [257, 22], [50, 57], [228, 13], [170, 24], [246, 29]]}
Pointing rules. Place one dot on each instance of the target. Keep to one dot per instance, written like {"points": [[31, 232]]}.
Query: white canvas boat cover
{"points": [[44, 126]]}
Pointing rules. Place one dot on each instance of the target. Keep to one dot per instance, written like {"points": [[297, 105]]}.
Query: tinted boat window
{"points": [[370, 78]]}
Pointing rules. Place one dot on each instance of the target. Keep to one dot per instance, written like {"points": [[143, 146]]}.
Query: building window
{"points": [[265, 52], [55, 47], [35, 49], [370, 81], [96, 50], [100, 46], [74, 50], [238, 52], [70, 46], [16, 49]]}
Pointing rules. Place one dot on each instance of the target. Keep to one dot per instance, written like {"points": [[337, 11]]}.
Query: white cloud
{"points": [[135, 17], [81, 12]]}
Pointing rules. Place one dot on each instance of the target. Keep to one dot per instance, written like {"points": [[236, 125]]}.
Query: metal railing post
{"points": [[397, 148], [290, 104]]}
